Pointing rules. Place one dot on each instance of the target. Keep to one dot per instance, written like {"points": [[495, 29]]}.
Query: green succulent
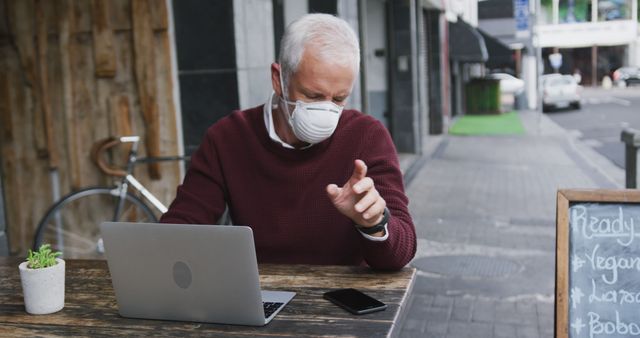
{"points": [[43, 258]]}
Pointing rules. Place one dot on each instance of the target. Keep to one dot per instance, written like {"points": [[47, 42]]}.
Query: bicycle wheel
{"points": [[72, 224]]}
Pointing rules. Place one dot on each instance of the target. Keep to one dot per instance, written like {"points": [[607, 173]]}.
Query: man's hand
{"points": [[358, 198]]}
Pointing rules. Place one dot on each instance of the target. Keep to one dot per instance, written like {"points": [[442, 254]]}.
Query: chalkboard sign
{"points": [[598, 263]]}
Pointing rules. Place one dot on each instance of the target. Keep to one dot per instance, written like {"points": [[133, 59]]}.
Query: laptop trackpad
{"points": [[277, 296]]}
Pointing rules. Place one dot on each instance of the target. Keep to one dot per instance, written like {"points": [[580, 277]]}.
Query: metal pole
{"points": [[594, 66], [362, 27], [631, 165], [539, 63], [413, 33], [631, 139]]}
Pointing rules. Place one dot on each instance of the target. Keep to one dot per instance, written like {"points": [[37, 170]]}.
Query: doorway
{"points": [[377, 61]]}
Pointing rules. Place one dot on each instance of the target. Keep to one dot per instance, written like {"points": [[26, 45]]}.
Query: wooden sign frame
{"points": [[564, 199]]}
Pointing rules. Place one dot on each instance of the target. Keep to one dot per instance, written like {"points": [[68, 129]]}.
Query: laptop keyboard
{"points": [[270, 308]]}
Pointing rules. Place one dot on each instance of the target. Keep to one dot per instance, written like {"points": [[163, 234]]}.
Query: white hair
{"points": [[334, 40]]}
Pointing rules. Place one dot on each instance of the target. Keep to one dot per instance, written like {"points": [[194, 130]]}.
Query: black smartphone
{"points": [[355, 301]]}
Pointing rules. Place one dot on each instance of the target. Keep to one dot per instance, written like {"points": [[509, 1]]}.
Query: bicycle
{"points": [[71, 224]]}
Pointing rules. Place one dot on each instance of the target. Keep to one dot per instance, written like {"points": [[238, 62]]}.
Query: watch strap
{"points": [[378, 227]]}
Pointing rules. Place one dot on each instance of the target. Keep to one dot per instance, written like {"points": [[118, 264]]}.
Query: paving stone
{"points": [[466, 329], [437, 314], [546, 321], [527, 332], [504, 331], [506, 313], [483, 311], [414, 325], [462, 309], [423, 300], [442, 301], [436, 329], [527, 308], [415, 318], [505, 308], [411, 334], [518, 320], [545, 310], [417, 309], [546, 333]]}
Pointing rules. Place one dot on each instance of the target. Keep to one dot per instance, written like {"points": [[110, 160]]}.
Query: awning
{"points": [[433, 4], [500, 55], [466, 43]]}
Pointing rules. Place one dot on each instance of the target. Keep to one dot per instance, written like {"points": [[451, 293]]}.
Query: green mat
{"points": [[502, 124]]}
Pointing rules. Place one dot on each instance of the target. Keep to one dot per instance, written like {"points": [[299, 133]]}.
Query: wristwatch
{"points": [[378, 227]]}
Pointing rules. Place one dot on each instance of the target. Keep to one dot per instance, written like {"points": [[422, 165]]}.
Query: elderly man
{"points": [[316, 183]]}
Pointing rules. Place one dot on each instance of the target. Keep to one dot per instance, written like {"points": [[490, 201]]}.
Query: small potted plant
{"points": [[42, 277]]}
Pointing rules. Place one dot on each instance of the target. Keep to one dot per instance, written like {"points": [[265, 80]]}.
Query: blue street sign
{"points": [[521, 15]]}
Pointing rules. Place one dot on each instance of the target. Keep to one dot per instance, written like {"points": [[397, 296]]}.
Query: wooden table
{"points": [[91, 309]]}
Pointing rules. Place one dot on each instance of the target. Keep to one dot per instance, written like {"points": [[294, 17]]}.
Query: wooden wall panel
{"points": [[85, 107], [70, 138], [44, 114], [103, 38], [121, 15], [19, 16], [26, 174], [59, 126], [159, 15], [4, 28], [120, 11], [163, 189], [6, 132], [9, 153], [82, 16], [145, 77], [85, 104], [51, 15]]}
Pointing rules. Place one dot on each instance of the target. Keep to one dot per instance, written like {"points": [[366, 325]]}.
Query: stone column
{"points": [[254, 45], [404, 121]]}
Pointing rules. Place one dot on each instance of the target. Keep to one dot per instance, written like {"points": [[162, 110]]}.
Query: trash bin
{"points": [[483, 96]]}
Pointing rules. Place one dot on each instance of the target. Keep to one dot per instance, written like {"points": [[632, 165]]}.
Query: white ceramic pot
{"points": [[43, 289]]}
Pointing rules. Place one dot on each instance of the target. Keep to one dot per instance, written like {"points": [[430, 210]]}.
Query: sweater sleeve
{"points": [[381, 159], [201, 197]]}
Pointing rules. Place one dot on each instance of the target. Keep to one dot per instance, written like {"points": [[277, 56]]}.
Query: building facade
{"points": [[225, 48], [591, 38], [594, 37]]}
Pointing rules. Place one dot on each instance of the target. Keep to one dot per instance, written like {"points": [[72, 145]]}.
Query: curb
{"points": [[599, 168], [411, 164]]}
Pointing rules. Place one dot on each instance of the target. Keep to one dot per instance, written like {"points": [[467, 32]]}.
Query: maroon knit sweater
{"points": [[281, 193]]}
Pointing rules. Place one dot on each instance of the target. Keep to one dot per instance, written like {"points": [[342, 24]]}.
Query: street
{"points": [[604, 113]]}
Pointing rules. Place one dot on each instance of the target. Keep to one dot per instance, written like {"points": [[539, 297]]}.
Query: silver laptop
{"points": [[200, 273]]}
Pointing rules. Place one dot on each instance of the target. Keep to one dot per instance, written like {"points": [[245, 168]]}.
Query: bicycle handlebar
{"points": [[100, 148], [97, 155]]}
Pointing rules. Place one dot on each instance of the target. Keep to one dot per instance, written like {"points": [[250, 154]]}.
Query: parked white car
{"points": [[626, 76], [560, 91], [509, 84]]}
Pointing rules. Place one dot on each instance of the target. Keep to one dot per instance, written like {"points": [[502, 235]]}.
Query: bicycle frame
{"points": [[129, 179], [120, 192]]}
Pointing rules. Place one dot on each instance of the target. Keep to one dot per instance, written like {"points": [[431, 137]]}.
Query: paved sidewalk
{"points": [[484, 209]]}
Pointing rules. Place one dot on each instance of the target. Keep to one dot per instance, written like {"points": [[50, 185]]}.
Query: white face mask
{"points": [[312, 122]]}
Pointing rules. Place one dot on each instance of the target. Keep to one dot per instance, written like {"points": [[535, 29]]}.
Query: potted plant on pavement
{"points": [[42, 277]]}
